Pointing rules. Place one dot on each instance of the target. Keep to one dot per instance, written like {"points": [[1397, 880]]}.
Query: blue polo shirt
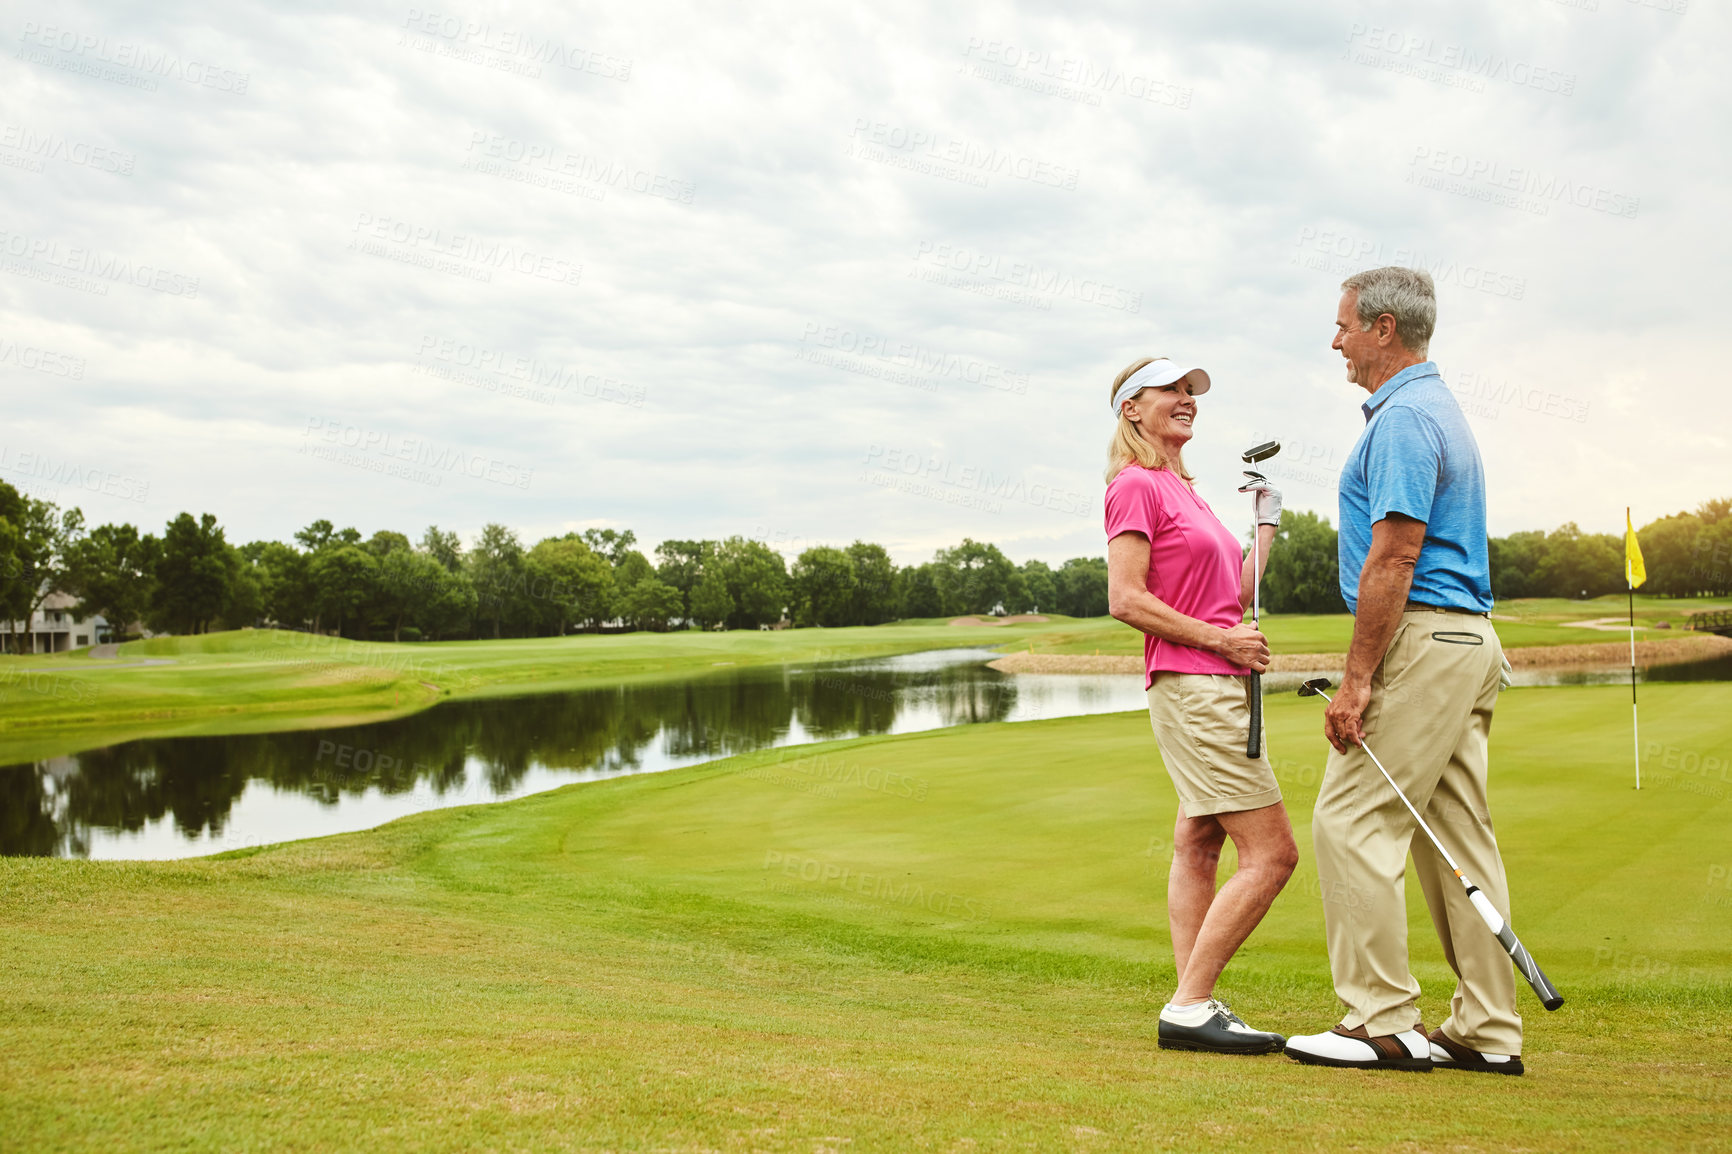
{"points": [[1418, 457]]}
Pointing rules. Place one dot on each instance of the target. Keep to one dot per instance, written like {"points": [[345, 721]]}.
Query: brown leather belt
{"points": [[1421, 607]]}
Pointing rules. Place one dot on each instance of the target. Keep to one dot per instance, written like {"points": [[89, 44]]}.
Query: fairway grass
{"points": [[947, 940]]}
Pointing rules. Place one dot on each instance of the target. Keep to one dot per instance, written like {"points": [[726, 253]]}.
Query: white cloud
{"points": [[1192, 180]]}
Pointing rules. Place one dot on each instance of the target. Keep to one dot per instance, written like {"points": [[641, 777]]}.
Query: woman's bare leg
{"points": [[1267, 855], [1197, 846]]}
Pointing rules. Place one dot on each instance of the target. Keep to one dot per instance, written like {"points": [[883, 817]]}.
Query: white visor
{"points": [[1156, 373]]}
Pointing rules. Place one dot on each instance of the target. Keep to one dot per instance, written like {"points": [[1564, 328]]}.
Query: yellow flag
{"points": [[1634, 571]]}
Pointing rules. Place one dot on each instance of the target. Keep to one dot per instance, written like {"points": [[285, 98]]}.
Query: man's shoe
{"points": [[1451, 1054], [1355, 1049], [1214, 1028]]}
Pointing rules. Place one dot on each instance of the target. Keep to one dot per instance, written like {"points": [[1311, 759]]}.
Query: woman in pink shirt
{"points": [[1178, 575]]}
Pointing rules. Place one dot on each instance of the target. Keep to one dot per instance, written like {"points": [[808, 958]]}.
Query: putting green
{"points": [[947, 939]]}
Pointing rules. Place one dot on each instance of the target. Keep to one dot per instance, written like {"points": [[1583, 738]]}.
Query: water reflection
{"points": [[178, 796]]}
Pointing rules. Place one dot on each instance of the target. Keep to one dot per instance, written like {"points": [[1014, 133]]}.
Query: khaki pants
{"points": [[1429, 721]]}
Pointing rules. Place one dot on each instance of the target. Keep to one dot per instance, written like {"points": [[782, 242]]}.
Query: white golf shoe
{"points": [[1355, 1049]]}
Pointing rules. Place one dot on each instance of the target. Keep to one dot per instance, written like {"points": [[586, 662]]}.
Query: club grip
{"points": [[1254, 740], [1530, 969]]}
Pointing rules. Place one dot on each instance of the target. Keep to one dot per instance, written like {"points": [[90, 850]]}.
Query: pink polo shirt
{"points": [[1194, 562]]}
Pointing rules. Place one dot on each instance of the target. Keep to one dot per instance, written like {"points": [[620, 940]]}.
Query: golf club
{"points": [[1524, 962], [1262, 452]]}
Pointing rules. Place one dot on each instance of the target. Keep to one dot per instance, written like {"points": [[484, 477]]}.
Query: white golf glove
{"points": [[1268, 503]]}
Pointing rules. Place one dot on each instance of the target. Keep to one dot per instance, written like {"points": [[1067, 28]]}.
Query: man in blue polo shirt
{"points": [[1422, 677]]}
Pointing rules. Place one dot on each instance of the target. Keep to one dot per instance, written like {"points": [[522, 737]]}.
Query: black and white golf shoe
{"points": [[1213, 1027]]}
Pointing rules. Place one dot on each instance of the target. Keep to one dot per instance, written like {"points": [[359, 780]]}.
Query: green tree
{"points": [[194, 571], [445, 548], [245, 604], [650, 604], [34, 548], [1578, 564], [404, 581], [345, 578], [112, 571], [874, 584], [1082, 587], [1304, 570], [612, 544], [496, 568], [630, 567], [569, 583], [1035, 591], [288, 590], [973, 577], [446, 604], [711, 604], [385, 542], [1515, 564], [681, 564], [917, 591], [757, 580], [1671, 553], [824, 587]]}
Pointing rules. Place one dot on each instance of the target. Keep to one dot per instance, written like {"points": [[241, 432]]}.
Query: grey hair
{"points": [[1407, 294]]}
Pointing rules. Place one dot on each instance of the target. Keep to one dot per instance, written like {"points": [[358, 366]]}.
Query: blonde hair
{"points": [[1128, 446]]}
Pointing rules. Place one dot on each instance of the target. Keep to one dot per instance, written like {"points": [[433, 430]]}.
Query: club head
{"points": [[1260, 452], [1312, 687]]}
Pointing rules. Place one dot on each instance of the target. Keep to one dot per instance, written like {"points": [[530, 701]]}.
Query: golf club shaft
{"points": [[1254, 739], [1524, 962]]}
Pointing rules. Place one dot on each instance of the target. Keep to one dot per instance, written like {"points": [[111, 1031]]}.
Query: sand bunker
{"points": [[1013, 619]]}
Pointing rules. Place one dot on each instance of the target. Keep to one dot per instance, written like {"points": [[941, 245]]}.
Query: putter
{"points": [[1524, 962], [1256, 453]]}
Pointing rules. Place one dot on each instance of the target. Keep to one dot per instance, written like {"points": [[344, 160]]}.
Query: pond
{"points": [[184, 796]]}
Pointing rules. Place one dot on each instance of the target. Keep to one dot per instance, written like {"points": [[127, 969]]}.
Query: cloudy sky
{"points": [[813, 276]]}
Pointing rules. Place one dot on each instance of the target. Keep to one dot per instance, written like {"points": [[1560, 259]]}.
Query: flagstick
{"points": [[1635, 718]]}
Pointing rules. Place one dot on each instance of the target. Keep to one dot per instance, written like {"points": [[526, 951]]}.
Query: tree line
{"points": [[191, 579], [1686, 555]]}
